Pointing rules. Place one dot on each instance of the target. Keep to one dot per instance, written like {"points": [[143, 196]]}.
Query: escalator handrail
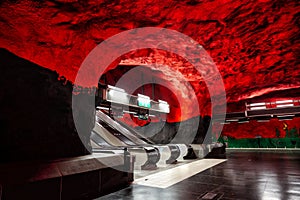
{"points": [[121, 129]]}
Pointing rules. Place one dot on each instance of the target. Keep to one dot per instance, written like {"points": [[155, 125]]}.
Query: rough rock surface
{"points": [[255, 44]]}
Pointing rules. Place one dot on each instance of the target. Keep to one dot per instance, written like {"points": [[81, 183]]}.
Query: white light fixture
{"points": [[102, 108], [115, 88], [164, 106], [232, 120], [225, 123], [117, 95], [243, 120], [144, 97], [258, 108], [284, 105], [257, 104], [285, 101], [286, 116], [163, 102]]}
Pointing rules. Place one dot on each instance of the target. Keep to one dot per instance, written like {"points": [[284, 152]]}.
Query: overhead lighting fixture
{"points": [[163, 102], [225, 123], [232, 120], [284, 105], [102, 108], [286, 116], [115, 88], [164, 106], [284, 101], [258, 108], [141, 96], [117, 95], [244, 120], [257, 104]]}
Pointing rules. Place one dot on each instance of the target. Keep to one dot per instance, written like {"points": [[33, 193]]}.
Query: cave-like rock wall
{"points": [[254, 43]]}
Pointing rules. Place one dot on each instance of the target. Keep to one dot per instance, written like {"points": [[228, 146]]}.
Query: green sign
{"points": [[145, 104]]}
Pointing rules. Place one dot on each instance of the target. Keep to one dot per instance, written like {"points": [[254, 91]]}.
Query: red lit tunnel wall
{"points": [[255, 44]]}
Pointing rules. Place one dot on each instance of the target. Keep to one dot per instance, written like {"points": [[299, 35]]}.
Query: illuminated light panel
{"points": [[258, 108], [164, 106], [284, 105], [243, 120], [144, 101], [284, 101], [232, 120], [225, 123], [286, 116], [163, 102], [102, 108], [257, 104], [117, 95], [115, 88]]}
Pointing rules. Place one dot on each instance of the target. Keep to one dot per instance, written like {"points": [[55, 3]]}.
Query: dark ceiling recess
{"points": [[255, 44]]}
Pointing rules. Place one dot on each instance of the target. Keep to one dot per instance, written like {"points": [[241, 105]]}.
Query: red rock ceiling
{"points": [[255, 44]]}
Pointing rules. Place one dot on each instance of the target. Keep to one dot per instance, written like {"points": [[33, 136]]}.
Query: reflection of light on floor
{"points": [[172, 176], [262, 183], [272, 189]]}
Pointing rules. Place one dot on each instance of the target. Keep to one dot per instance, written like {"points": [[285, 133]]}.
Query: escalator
{"points": [[168, 153], [186, 151], [107, 139]]}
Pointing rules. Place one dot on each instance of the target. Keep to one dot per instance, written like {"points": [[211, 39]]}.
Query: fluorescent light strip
{"points": [[115, 88], [102, 108], [284, 105], [232, 120], [285, 101], [242, 122], [258, 108], [163, 102], [263, 120], [225, 123], [143, 96], [286, 116], [257, 104]]}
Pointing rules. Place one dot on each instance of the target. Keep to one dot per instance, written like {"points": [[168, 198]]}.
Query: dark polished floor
{"points": [[245, 175]]}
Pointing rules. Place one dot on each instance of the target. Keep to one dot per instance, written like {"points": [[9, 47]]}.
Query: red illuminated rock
{"points": [[255, 44]]}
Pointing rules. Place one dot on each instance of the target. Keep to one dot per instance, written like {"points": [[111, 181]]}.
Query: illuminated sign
{"points": [[144, 101]]}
